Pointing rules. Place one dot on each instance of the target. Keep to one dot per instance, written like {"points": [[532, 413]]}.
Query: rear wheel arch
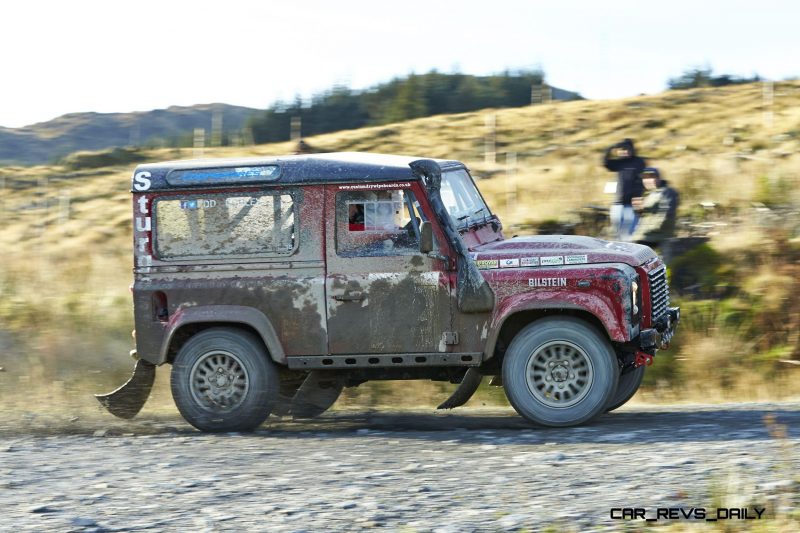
{"points": [[185, 332], [195, 320]]}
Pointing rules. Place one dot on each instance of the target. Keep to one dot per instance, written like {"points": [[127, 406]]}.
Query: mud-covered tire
{"points": [[628, 385], [572, 390], [223, 380]]}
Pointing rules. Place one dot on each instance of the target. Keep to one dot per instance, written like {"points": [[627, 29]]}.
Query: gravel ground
{"points": [[468, 470]]}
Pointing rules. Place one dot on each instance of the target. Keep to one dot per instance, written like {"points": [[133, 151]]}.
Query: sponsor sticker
{"points": [[486, 263], [552, 260], [374, 186], [240, 202], [576, 259], [198, 204], [509, 263], [547, 282], [529, 261]]}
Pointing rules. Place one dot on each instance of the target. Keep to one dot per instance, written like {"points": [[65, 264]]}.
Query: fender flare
{"points": [[225, 314], [617, 334]]}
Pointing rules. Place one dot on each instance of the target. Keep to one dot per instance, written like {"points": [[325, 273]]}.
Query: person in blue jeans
{"points": [[622, 159]]}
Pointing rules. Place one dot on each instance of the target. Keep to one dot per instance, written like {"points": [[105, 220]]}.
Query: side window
{"points": [[233, 225], [376, 223]]}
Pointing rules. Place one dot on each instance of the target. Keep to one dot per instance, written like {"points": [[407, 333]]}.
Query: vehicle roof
{"points": [[334, 167]]}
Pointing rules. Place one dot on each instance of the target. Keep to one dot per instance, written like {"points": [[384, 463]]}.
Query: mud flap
{"points": [[128, 400], [469, 384], [319, 391]]}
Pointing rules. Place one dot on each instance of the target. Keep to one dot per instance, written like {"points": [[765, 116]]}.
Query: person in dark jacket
{"points": [[622, 159], [658, 210]]}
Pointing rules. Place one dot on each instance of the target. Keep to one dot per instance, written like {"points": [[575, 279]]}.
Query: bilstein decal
{"points": [[509, 263], [486, 263], [547, 282], [576, 259], [552, 260]]}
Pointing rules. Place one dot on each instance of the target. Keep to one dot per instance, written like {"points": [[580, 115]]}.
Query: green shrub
{"points": [[700, 271]]}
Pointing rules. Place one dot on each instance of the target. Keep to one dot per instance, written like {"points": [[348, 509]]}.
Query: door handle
{"points": [[352, 297]]}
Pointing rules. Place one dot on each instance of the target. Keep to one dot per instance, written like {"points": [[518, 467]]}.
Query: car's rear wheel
{"points": [[223, 380], [559, 372], [628, 386]]}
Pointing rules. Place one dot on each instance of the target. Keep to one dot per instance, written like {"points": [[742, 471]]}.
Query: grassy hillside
{"points": [[65, 310], [47, 141]]}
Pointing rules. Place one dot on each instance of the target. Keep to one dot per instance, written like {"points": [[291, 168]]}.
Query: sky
{"points": [[84, 55]]}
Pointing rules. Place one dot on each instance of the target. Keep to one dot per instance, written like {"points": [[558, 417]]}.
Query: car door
{"points": [[383, 295]]}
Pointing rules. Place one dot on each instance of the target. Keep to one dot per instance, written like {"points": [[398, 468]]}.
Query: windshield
{"points": [[462, 199]]}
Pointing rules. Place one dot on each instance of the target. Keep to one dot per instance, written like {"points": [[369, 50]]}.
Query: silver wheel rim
{"points": [[219, 381], [559, 374]]}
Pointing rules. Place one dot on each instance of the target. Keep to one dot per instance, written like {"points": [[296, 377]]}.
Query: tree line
{"points": [[417, 95], [705, 77]]}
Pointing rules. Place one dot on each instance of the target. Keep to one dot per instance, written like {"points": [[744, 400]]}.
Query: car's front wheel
{"points": [[559, 372], [223, 380]]}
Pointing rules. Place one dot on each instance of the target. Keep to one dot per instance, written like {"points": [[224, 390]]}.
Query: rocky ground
{"points": [[411, 471]]}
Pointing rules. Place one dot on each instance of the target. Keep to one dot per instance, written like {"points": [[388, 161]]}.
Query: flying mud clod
{"points": [[126, 401]]}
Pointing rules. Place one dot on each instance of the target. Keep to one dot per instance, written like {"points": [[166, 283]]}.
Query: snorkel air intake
{"points": [[474, 295]]}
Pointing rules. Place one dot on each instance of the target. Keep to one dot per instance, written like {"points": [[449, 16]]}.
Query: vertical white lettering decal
{"points": [[142, 223], [141, 181]]}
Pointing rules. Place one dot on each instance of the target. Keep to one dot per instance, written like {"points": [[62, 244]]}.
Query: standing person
{"points": [[658, 210], [622, 159]]}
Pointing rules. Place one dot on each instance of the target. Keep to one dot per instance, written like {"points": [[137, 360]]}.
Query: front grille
{"points": [[659, 292]]}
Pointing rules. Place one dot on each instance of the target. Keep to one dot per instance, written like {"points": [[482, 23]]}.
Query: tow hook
{"points": [[643, 359]]}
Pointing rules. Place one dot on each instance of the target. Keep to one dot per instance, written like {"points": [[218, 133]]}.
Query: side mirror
{"points": [[426, 237]]}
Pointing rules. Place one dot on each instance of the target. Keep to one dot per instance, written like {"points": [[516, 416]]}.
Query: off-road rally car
{"points": [[271, 284]]}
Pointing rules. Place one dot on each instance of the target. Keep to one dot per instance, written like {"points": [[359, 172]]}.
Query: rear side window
{"points": [[376, 223], [231, 225]]}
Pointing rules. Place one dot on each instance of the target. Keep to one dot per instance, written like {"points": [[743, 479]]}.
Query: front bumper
{"points": [[659, 337]]}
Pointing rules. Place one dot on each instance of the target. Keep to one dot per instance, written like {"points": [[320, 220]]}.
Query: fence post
{"points": [[199, 142], [216, 127], [768, 98], [63, 207], [44, 189], [296, 129], [511, 186], [489, 154]]}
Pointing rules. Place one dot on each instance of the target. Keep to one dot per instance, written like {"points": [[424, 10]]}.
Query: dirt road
{"points": [[416, 471]]}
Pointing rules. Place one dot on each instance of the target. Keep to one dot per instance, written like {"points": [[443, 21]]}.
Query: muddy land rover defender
{"points": [[270, 285]]}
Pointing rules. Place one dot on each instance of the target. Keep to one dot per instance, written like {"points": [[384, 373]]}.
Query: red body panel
{"points": [[602, 297]]}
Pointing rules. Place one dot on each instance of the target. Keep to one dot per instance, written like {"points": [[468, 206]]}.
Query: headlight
{"points": [[634, 297]]}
